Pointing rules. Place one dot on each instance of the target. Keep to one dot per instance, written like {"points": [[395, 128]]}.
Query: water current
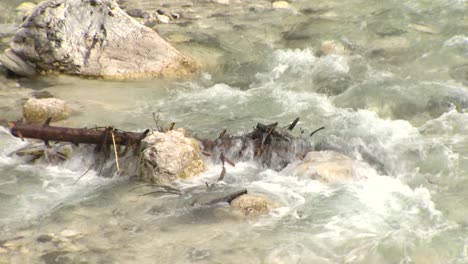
{"points": [[393, 94]]}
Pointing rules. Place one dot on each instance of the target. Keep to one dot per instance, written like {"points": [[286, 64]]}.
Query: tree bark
{"points": [[75, 135]]}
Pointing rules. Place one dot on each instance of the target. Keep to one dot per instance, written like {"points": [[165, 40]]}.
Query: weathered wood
{"points": [[75, 135], [267, 144], [275, 148]]}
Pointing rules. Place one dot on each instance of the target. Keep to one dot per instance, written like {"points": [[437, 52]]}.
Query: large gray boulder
{"points": [[91, 38]]}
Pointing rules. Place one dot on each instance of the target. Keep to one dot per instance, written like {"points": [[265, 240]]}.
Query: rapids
{"points": [[396, 99]]}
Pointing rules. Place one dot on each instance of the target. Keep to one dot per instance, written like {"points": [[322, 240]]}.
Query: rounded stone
{"points": [[163, 19], [280, 4], [169, 156], [69, 233], [250, 204], [38, 110], [332, 47], [330, 167]]}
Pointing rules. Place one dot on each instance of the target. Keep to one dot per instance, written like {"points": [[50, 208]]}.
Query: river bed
{"points": [[393, 93]]}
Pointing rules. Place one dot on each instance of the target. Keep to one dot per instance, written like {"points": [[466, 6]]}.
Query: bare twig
{"points": [[171, 126], [115, 152], [223, 172], [316, 130], [293, 124], [157, 119], [84, 173]]}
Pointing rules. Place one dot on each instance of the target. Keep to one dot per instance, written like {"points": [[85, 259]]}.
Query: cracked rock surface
{"points": [[91, 38]]}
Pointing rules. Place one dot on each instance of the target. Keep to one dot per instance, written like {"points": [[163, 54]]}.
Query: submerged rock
{"points": [[330, 167], [332, 47], [56, 257], [91, 38], [168, 156], [51, 154], [423, 29], [218, 195], [38, 110], [249, 204], [44, 238], [389, 46]]}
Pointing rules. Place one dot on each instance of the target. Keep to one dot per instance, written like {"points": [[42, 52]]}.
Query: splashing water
{"points": [[395, 100]]}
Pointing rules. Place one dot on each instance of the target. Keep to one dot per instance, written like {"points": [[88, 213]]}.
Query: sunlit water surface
{"points": [[402, 110]]}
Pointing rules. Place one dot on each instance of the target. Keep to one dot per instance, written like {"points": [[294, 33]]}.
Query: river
{"points": [[393, 94]]}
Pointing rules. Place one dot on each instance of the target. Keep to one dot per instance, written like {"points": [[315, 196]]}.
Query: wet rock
{"points": [[460, 73], [163, 19], [386, 29], [389, 46], [168, 156], [53, 154], [38, 110], [423, 29], [138, 13], [24, 9], [175, 15], [194, 254], [42, 94], [330, 167], [222, 2], [280, 4], [7, 30], [178, 38], [331, 75], [15, 243], [56, 257], [16, 64], [438, 105], [68, 233], [249, 204], [332, 47], [106, 43], [44, 238]]}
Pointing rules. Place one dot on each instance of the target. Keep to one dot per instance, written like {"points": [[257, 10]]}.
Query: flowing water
{"points": [[397, 99]]}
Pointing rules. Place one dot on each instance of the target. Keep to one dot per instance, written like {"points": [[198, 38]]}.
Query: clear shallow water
{"points": [[401, 110]]}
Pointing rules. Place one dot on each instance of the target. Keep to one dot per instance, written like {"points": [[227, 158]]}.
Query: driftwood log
{"points": [[98, 136], [273, 147]]}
